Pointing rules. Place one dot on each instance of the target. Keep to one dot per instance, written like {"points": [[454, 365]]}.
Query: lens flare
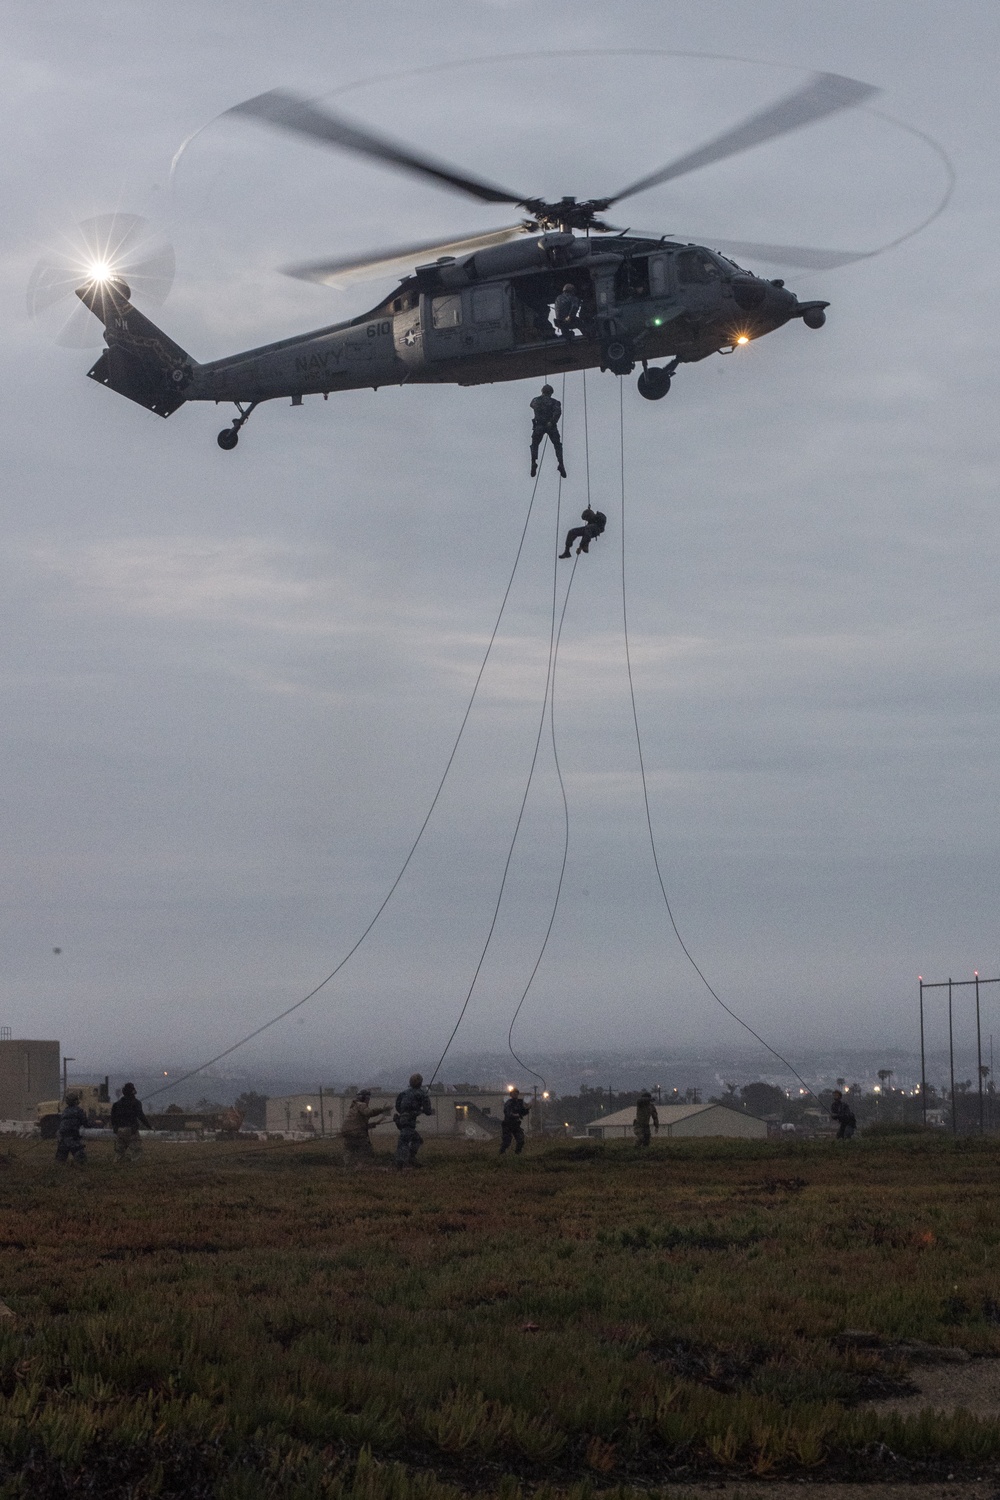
{"points": [[100, 251], [743, 338]]}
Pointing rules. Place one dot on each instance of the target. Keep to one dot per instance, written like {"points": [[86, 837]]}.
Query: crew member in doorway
{"points": [[842, 1112], [514, 1111], [410, 1105], [360, 1119], [127, 1119], [645, 1115], [545, 424], [71, 1122], [566, 311], [596, 521]]}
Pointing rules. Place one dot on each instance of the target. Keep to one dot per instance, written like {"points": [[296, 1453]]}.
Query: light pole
{"points": [[65, 1061]]}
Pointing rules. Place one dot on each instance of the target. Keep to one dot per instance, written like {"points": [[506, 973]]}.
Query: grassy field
{"points": [[239, 1320]]}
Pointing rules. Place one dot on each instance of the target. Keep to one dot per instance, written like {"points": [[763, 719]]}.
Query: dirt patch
{"points": [[975, 1387], [983, 1490]]}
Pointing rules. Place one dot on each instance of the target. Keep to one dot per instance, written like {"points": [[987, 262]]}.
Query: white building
{"points": [[474, 1113], [678, 1120]]}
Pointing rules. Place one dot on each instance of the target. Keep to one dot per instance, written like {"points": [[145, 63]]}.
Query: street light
{"points": [[65, 1061]]}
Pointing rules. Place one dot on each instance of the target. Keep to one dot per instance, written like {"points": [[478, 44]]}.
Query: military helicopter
{"points": [[477, 309]]}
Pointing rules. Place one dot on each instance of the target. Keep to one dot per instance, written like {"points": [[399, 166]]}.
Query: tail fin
{"points": [[140, 362]]}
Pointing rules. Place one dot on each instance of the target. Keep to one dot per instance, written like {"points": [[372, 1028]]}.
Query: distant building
{"points": [[678, 1120], [29, 1074], [472, 1113]]}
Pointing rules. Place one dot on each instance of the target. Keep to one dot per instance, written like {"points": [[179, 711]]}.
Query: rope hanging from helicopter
{"points": [[555, 636], [298, 1004], [555, 757], [642, 774]]}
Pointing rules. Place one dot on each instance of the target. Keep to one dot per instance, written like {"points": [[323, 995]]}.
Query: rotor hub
{"points": [[567, 214]]}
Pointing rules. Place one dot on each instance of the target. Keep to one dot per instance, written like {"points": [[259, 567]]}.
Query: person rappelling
{"points": [[595, 521], [566, 312], [545, 424]]}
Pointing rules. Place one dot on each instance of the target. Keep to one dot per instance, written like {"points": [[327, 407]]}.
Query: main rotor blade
{"points": [[392, 262], [824, 95], [287, 111], [801, 256]]}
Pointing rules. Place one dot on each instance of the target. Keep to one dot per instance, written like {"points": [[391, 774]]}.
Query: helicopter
{"points": [[476, 309]]}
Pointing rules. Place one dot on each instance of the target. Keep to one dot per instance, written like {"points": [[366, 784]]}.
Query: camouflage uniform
{"points": [[514, 1111], [71, 1122], [844, 1115], [358, 1122], [126, 1120], [596, 521], [566, 311], [645, 1114], [410, 1105], [545, 423]]}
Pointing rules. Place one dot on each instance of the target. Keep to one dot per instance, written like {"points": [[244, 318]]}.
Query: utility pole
{"points": [[322, 1116], [951, 985], [65, 1061]]}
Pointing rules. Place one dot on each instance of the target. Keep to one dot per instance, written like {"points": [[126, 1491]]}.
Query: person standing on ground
{"points": [[514, 1111], [127, 1119], [71, 1122], [410, 1105], [842, 1112], [359, 1121], [545, 424], [645, 1115], [596, 521]]}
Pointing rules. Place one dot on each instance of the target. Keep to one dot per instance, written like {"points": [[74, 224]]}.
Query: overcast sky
{"points": [[232, 681]]}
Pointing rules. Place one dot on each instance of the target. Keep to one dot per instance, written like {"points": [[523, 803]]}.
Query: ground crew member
{"points": [[842, 1112], [545, 423], [514, 1111], [596, 521], [127, 1119], [410, 1105], [645, 1114], [566, 311], [360, 1119], [71, 1122]]}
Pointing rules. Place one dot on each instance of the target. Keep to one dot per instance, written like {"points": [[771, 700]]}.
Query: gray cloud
{"points": [[232, 681]]}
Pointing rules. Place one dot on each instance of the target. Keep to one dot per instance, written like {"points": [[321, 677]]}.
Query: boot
{"points": [[562, 472], [564, 554], [534, 468]]}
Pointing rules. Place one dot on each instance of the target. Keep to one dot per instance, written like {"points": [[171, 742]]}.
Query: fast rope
{"points": [[555, 754], [642, 772], [175, 1082], [524, 800]]}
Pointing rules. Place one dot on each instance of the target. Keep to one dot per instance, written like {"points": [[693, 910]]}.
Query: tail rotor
{"points": [[110, 247]]}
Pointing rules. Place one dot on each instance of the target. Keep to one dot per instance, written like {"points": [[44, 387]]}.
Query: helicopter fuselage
{"points": [[477, 319]]}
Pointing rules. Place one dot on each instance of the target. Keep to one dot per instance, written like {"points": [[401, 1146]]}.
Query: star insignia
{"points": [[410, 337]]}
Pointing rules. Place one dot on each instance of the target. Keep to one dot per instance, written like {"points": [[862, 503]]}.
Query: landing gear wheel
{"points": [[654, 384], [228, 438], [814, 318]]}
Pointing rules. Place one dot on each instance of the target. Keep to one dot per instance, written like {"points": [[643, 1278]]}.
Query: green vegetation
{"points": [[249, 1321]]}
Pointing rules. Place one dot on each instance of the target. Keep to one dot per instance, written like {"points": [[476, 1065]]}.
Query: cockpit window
{"points": [[695, 267]]}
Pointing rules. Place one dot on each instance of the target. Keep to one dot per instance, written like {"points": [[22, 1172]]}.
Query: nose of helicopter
{"points": [[766, 304]]}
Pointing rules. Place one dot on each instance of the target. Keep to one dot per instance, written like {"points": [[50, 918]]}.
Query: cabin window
{"points": [[487, 304], [658, 283], [446, 312], [695, 267]]}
